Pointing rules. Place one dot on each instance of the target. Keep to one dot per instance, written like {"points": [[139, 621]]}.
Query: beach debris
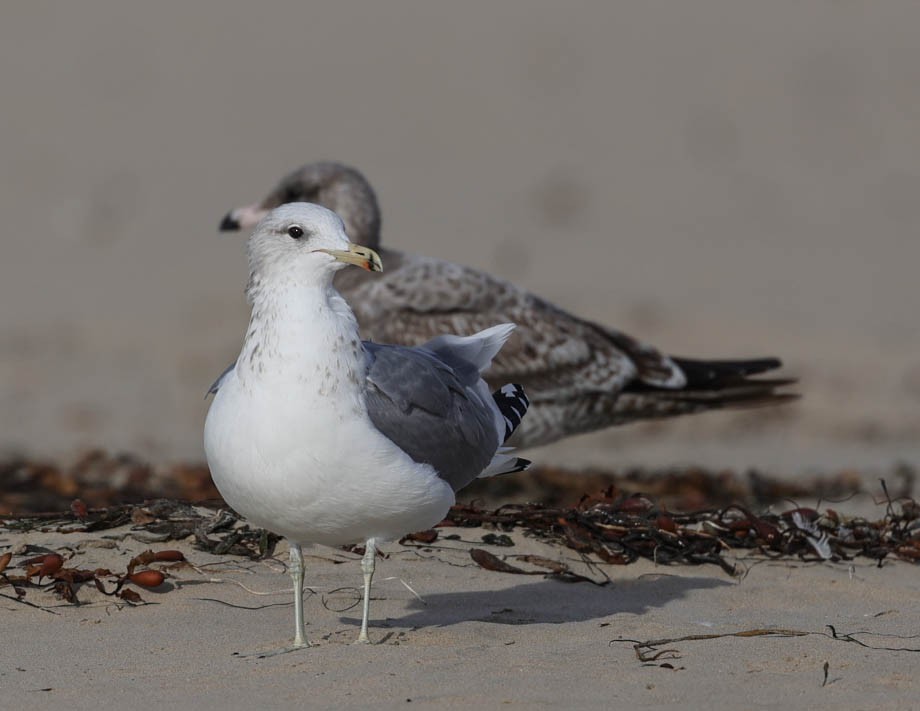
{"points": [[642, 514], [491, 562], [65, 581], [558, 569], [78, 508], [43, 566], [147, 578], [498, 539], [148, 557], [616, 526], [816, 538], [619, 527], [425, 537], [648, 652]]}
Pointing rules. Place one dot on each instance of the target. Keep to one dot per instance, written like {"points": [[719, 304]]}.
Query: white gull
{"points": [[323, 438]]}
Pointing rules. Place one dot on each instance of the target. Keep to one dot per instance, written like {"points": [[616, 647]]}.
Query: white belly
{"points": [[319, 474]]}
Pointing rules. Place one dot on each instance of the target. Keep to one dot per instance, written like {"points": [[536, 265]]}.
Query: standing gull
{"points": [[323, 438], [580, 376]]}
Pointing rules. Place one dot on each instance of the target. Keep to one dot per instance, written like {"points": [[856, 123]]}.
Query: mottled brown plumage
{"points": [[580, 376]]}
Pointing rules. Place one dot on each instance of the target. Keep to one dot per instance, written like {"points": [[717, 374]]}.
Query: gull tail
{"points": [[512, 403], [504, 463]]}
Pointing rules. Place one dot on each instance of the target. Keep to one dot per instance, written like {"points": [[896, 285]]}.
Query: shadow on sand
{"points": [[549, 602]]}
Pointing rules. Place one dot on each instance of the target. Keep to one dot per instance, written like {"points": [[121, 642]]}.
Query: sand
{"points": [[462, 635], [720, 179]]}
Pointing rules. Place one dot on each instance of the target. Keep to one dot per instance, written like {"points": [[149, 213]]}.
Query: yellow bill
{"points": [[363, 257]]}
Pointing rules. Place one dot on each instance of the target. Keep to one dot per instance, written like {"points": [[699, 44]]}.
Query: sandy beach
{"points": [[718, 180], [449, 633]]}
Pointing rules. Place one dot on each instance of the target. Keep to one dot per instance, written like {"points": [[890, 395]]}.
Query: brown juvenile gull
{"points": [[579, 375], [324, 438]]}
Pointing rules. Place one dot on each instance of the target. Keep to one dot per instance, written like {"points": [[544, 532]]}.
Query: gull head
{"points": [[305, 242], [336, 186]]}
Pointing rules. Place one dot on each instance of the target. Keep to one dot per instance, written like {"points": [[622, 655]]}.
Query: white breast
{"points": [[308, 464]]}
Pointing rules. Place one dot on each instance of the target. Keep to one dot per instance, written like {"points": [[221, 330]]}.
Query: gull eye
{"points": [[295, 231]]}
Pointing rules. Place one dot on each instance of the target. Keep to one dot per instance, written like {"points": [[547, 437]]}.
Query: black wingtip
{"points": [[229, 223], [716, 373], [512, 403], [521, 464]]}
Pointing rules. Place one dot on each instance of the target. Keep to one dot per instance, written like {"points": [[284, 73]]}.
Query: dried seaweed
{"points": [[620, 528], [649, 651], [615, 527], [558, 570], [679, 488], [66, 581]]}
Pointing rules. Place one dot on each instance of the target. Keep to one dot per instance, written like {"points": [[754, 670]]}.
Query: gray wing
{"points": [[433, 412]]}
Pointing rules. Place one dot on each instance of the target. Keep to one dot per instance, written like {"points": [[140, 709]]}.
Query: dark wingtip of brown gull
{"points": [[721, 384], [714, 374]]}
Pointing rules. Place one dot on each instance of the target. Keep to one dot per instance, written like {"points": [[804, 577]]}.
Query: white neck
{"points": [[301, 334]]}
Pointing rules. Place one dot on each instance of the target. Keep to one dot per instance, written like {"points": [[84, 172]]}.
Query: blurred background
{"points": [[720, 179]]}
